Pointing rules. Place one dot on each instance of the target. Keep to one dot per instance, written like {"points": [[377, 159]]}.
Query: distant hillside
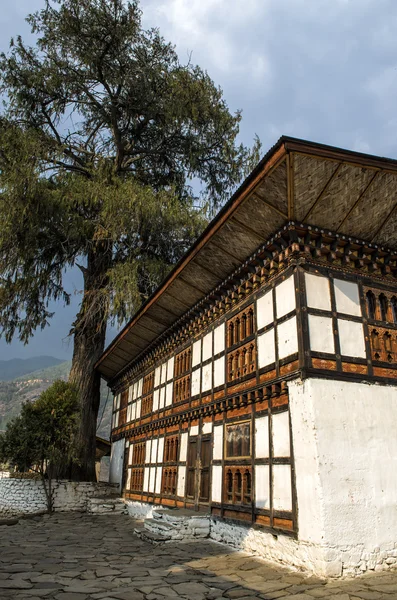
{"points": [[10, 369], [29, 387]]}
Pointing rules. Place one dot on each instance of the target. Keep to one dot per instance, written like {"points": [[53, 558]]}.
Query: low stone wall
{"points": [[4, 474], [26, 496]]}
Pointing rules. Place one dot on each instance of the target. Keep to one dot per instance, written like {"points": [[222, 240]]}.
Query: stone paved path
{"points": [[79, 557]]}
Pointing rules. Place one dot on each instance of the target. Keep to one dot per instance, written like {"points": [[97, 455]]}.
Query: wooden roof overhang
{"points": [[350, 193]]}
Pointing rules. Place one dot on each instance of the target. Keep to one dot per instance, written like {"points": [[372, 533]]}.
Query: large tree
{"points": [[104, 138]]}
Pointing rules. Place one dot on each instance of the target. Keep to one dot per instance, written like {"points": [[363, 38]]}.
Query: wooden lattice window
{"points": [[171, 447], [123, 407], [136, 482], [168, 482], [147, 405], [242, 361], [138, 455], [383, 344], [371, 304], [182, 389], [238, 485], [241, 326], [384, 306], [183, 362], [393, 304], [381, 305], [238, 440], [148, 383]]}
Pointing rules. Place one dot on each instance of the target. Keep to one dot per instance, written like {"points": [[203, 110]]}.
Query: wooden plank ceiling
{"points": [[343, 191]]}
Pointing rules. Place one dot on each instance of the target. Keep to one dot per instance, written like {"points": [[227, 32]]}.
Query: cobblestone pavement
{"points": [[79, 557]]}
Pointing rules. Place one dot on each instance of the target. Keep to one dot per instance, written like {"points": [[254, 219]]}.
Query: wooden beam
{"points": [[384, 222], [248, 229], [291, 186], [349, 212], [323, 191], [277, 210]]}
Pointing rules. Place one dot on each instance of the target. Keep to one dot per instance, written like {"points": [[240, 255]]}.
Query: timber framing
{"points": [[298, 181], [294, 244]]}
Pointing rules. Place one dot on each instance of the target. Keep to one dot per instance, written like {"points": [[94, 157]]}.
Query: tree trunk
{"points": [[89, 343]]}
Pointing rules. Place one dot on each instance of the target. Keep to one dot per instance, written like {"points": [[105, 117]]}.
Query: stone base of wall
{"points": [[27, 497], [320, 560], [141, 510]]}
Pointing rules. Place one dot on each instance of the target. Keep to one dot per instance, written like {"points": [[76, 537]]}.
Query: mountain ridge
{"points": [[28, 387], [17, 367]]}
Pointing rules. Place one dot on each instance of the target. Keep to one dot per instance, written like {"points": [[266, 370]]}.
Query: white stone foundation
{"points": [[27, 496], [345, 456]]}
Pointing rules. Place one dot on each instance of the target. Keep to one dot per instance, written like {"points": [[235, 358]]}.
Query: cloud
{"points": [[212, 31]]}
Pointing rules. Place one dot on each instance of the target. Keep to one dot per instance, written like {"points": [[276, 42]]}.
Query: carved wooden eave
{"points": [[349, 193]]}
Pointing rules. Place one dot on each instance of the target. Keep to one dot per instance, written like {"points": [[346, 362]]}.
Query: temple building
{"points": [[258, 384]]}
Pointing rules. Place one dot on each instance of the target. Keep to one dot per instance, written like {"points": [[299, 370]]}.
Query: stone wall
{"points": [[26, 496]]}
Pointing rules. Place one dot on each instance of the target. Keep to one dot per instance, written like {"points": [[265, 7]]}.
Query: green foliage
{"points": [[103, 133], [43, 433]]}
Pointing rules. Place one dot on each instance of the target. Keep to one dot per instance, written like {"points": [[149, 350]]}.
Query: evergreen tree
{"points": [[102, 134], [41, 437]]}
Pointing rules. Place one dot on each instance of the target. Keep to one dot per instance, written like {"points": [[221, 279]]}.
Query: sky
{"points": [[324, 70]]}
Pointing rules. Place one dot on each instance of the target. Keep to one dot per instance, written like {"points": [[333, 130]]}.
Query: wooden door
{"points": [[204, 467], [198, 469], [191, 475]]}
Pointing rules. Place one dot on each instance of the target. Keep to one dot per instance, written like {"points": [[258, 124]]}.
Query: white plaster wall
{"points": [[181, 482], [183, 447], [163, 378], [153, 454], [196, 381], [206, 377], [280, 435], [159, 471], [287, 337], [146, 479], [262, 486], [148, 451], [156, 399], [282, 487], [157, 374], [168, 394], [138, 409], [218, 443], [219, 371], [152, 478], [346, 297], [266, 349], [170, 368], [194, 430], [196, 353], [140, 387], [264, 310], [219, 339], [216, 488], [351, 338], [345, 455], [285, 297], [262, 437], [321, 334], [160, 453], [207, 427], [116, 462], [162, 397], [207, 346], [318, 291]]}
